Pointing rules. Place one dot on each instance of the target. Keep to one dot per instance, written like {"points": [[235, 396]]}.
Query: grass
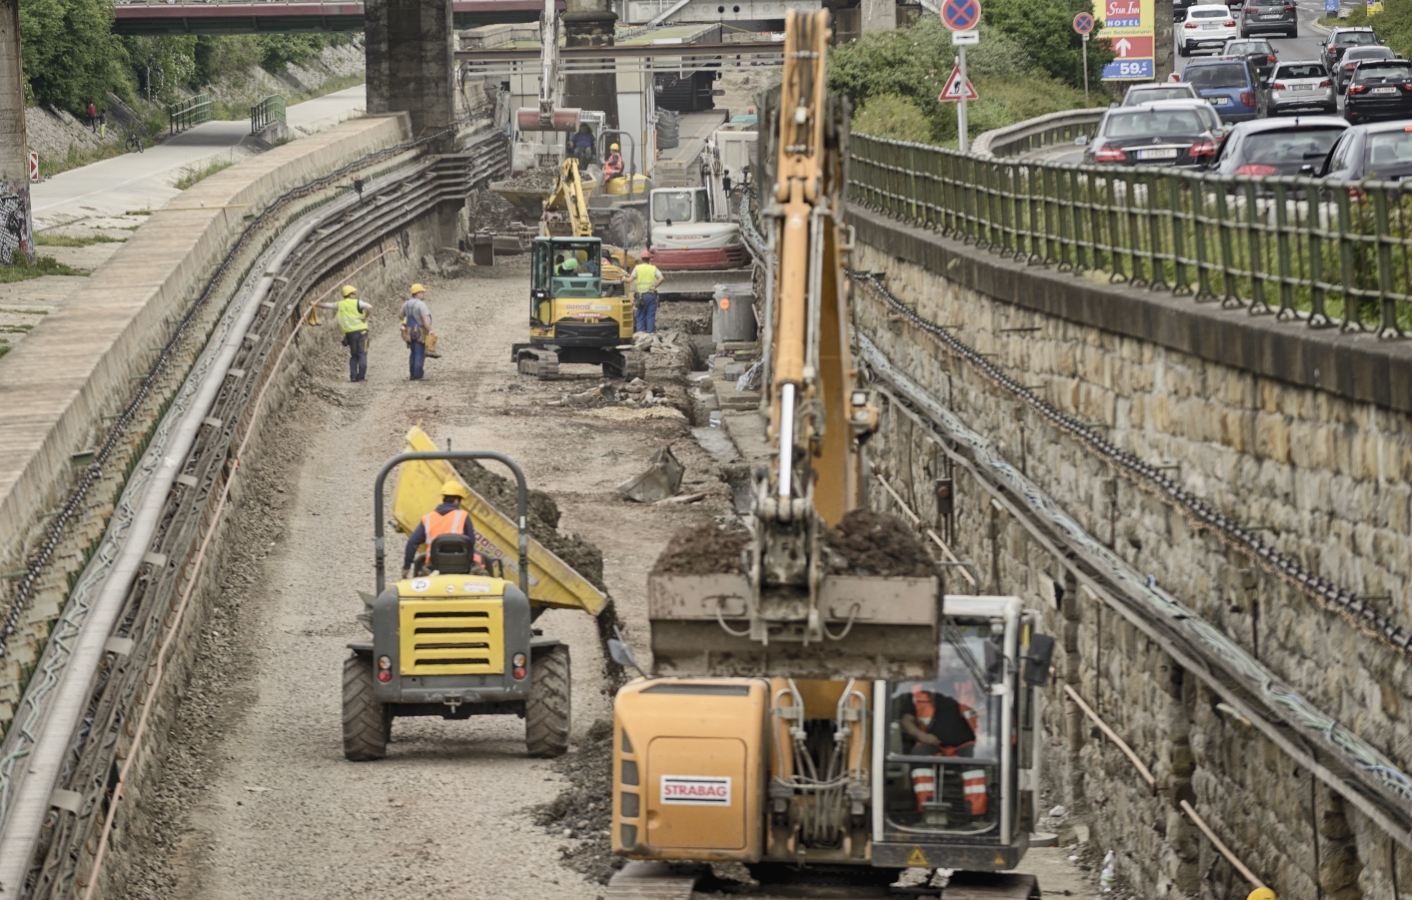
{"points": [[15, 329], [193, 174], [64, 240], [23, 312], [23, 270]]}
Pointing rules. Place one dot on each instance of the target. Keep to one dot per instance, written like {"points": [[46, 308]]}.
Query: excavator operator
{"points": [[447, 518], [941, 725], [613, 165]]}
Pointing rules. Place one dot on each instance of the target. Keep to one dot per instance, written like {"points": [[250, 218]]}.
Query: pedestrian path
{"points": [[139, 181]]}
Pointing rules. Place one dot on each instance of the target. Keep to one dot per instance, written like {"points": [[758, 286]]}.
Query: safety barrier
{"points": [[1308, 250], [270, 109], [1042, 131], [189, 112]]}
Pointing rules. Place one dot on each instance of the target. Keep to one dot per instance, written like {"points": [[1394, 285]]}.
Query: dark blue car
{"points": [[1228, 84]]}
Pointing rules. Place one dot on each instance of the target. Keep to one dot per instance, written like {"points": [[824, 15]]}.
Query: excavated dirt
{"points": [[584, 810], [871, 543], [488, 211], [531, 180], [707, 550]]}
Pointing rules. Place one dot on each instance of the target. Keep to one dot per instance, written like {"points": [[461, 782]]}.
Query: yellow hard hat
{"points": [[1261, 893], [612, 146], [418, 289], [349, 290], [453, 488]]}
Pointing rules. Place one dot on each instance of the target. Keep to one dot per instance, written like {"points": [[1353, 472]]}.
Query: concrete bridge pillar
{"points": [[589, 23], [411, 64], [16, 226]]}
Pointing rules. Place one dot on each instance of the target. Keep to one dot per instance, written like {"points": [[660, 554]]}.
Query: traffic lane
{"points": [[1306, 46]]}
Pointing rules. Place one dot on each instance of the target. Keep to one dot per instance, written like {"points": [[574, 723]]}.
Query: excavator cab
{"points": [[570, 319]]}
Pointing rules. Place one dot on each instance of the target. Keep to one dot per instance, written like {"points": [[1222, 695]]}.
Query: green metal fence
{"points": [[189, 112], [270, 109], [1317, 251]]}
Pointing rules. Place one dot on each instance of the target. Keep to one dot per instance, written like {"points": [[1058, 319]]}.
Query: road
{"points": [[111, 187], [1306, 46]]}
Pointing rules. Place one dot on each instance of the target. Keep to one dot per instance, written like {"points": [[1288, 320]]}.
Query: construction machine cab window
{"points": [[567, 267], [680, 206], [943, 740]]}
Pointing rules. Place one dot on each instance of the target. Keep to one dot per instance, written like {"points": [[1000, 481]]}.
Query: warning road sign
{"points": [[957, 88], [961, 15]]}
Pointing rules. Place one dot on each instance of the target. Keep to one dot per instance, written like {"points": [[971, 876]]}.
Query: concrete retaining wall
{"points": [[1318, 460], [61, 388]]}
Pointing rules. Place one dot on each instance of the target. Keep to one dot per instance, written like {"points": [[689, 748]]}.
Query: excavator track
{"points": [[654, 880], [541, 364]]}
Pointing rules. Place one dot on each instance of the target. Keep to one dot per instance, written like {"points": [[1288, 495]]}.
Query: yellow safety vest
{"points": [[644, 278], [350, 318]]}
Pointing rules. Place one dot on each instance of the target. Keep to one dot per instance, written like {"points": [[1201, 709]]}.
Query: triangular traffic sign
{"points": [[957, 88]]}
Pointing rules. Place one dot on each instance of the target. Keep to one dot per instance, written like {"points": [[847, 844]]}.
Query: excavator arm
{"points": [[566, 207]]}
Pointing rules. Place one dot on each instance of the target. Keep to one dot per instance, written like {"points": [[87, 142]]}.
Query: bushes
{"points": [[888, 115], [1393, 25]]}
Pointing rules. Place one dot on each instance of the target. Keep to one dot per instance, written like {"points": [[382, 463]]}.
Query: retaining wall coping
{"points": [[1355, 366], [80, 363]]}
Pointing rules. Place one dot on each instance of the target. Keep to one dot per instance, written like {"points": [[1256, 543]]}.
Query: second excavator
{"points": [[822, 726]]}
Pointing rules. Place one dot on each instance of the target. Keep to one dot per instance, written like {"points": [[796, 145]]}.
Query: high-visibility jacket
{"points": [[350, 317], [613, 165], [644, 278], [438, 523], [952, 733]]}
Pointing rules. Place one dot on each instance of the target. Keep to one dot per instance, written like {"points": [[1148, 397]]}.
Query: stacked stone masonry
{"points": [[1327, 475]]}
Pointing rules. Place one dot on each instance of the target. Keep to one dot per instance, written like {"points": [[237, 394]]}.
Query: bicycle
{"points": [[134, 141]]}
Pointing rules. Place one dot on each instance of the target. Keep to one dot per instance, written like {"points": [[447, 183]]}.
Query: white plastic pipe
{"points": [[786, 439]]}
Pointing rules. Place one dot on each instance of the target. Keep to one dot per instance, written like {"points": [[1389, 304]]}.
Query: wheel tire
{"points": [[1294, 33], [1183, 50], [367, 724], [547, 711]]}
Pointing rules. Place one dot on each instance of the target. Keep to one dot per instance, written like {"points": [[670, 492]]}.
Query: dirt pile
{"points": [[871, 543], [543, 517], [707, 550], [541, 179], [488, 211], [584, 811]]}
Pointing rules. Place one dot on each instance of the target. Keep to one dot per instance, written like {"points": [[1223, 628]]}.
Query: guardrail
{"points": [[1041, 131], [270, 109], [1318, 251], [189, 112]]}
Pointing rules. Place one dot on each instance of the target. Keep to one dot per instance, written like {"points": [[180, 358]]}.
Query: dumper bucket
{"points": [[871, 627]]}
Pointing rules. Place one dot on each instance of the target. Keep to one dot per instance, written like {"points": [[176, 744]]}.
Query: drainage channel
{"points": [[76, 744]]}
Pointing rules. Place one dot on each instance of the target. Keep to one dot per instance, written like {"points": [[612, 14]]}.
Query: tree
{"points": [[71, 56], [1045, 29]]}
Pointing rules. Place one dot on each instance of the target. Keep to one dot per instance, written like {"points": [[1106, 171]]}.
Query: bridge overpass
{"points": [[243, 17]]}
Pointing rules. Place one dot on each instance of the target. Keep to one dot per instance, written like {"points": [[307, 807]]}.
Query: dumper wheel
{"points": [[547, 709], [367, 724]]}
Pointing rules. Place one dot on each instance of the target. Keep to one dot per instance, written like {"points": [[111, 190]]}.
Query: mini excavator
{"points": [[814, 724]]}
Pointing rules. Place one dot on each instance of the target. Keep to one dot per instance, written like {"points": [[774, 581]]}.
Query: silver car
{"points": [[1303, 86], [1343, 72], [1165, 90]]}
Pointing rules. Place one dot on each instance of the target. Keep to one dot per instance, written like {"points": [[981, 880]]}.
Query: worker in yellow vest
{"points": [[352, 318], [646, 279]]}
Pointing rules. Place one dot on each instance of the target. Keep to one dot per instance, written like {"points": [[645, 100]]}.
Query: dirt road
{"points": [[258, 801]]}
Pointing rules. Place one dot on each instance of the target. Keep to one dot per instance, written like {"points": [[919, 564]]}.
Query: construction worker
{"points": [[646, 279], [613, 165], [1261, 893], [352, 317], [582, 144], [416, 328], [568, 267], [942, 726], [447, 518]]}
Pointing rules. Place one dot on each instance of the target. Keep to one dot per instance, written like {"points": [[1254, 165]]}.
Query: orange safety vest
{"points": [[436, 524], [973, 786], [926, 710]]}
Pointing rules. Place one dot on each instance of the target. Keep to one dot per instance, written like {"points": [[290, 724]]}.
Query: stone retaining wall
{"points": [[1322, 467]]}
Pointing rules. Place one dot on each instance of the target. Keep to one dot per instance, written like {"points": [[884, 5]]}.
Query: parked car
{"points": [[1300, 87], [1355, 55], [1256, 51], [1206, 27], [1167, 133], [1381, 151], [1340, 39], [1149, 93], [1230, 85], [1380, 89], [1279, 146], [1266, 16]]}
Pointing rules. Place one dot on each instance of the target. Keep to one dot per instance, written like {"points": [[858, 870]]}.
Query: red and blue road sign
{"points": [[961, 15], [1083, 23]]}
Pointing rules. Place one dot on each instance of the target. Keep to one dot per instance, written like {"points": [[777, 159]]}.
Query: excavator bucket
{"points": [[552, 582], [871, 627]]}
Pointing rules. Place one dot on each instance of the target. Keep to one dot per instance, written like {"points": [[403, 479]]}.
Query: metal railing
{"points": [[1318, 251], [1041, 131], [270, 109], [189, 112]]}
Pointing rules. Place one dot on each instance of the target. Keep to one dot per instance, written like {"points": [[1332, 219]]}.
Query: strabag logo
{"points": [[696, 790]]}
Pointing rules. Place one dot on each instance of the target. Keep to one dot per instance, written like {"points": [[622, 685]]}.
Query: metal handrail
{"points": [[189, 112], [1041, 131], [270, 109], [1318, 251]]}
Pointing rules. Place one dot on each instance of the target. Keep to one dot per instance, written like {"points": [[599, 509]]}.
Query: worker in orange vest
{"points": [[447, 518], [942, 726]]}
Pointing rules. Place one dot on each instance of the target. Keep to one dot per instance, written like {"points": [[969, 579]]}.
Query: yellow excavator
{"points": [[579, 312], [819, 726]]}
